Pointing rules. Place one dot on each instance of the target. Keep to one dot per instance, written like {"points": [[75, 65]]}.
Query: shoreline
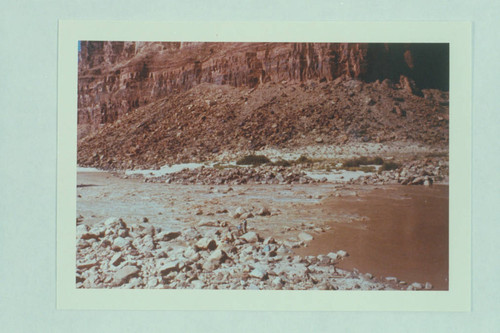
{"points": [[207, 224]]}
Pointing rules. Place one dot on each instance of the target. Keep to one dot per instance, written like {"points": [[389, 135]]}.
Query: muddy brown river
{"points": [[400, 231]]}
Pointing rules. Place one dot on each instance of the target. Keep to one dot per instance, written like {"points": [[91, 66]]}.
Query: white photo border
{"points": [[457, 34]]}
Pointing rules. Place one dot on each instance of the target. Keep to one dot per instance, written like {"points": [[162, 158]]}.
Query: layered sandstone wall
{"points": [[117, 77]]}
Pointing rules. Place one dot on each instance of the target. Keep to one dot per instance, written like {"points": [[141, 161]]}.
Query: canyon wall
{"points": [[117, 77]]}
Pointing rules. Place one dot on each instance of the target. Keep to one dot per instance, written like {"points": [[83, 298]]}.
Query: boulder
{"points": [[167, 236], [246, 215], [81, 229], [238, 212], [112, 221], [250, 237], [269, 240], [117, 259], [206, 244], [169, 267], [298, 270], [264, 211], [332, 256], [189, 252], [416, 286], [124, 274], [259, 274], [149, 230], [147, 244], [215, 259], [197, 284], [342, 254], [120, 243], [305, 237], [277, 281], [217, 256], [87, 264]]}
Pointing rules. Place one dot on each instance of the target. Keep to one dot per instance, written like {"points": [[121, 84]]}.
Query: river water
{"points": [[404, 233]]}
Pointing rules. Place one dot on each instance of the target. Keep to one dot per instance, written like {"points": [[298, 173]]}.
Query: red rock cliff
{"points": [[117, 77]]}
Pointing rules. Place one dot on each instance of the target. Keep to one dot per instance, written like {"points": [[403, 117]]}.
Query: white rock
{"points": [[87, 264], [238, 212], [332, 256], [121, 243], [258, 273], [217, 256], [206, 244], [152, 282], [417, 285], [148, 244], [250, 237], [277, 281], [303, 236], [81, 229], [117, 259], [264, 212], [111, 221], [246, 215], [214, 260], [269, 240], [197, 284], [82, 244], [172, 266], [189, 252], [125, 273], [342, 254]]}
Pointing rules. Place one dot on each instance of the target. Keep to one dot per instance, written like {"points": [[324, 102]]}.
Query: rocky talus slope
{"points": [[208, 119]]}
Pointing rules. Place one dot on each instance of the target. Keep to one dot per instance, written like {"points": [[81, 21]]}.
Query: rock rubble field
{"points": [[116, 254], [185, 128], [426, 172]]}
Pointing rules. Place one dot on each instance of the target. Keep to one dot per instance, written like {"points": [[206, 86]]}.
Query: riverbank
{"points": [[286, 219]]}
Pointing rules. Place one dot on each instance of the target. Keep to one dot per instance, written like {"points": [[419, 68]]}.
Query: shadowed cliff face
{"points": [[426, 64], [115, 78]]}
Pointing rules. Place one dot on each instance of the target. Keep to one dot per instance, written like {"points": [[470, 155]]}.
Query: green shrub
{"points": [[389, 166], [363, 160], [363, 168], [253, 160], [303, 160], [367, 168], [352, 163], [377, 161]]}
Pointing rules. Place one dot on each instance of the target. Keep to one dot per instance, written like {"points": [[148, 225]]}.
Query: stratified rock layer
{"points": [[117, 77]]}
